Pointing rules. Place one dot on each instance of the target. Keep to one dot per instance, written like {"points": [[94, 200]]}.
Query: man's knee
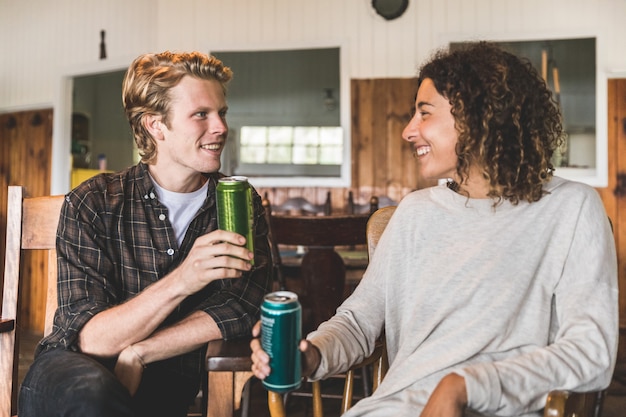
{"points": [[74, 383]]}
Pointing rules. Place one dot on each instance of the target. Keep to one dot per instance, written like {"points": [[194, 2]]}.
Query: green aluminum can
{"points": [[235, 211], [281, 331]]}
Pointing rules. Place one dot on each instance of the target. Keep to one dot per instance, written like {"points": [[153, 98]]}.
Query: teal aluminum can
{"points": [[281, 331], [235, 211]]}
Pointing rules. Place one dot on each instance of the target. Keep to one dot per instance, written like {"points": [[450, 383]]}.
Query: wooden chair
{"points": [[31, 225], [375, 203], [322, 270], [574, 404], [322, 273], [229, 365]]}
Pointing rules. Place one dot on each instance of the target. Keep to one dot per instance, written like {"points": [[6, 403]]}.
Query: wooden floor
{"points": [[614, 405]]}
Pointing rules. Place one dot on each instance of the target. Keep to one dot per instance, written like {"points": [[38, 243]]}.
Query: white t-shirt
{"points": [[181, 207]]}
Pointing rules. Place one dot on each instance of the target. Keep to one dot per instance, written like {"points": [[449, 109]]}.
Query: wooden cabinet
{"points": [[25, 159]]}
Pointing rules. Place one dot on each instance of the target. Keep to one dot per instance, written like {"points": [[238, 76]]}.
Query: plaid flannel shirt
{"points": [[114, 239]]}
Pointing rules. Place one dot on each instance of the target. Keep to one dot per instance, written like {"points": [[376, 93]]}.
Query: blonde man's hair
{"points": [[148, 81]]}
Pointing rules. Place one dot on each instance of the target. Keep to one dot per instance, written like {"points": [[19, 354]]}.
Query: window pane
{"points": [[253, 135], [331, 136], [331, 155], [306, 135], [280, 135], [279, 154], [253, 154], [305, 155]]}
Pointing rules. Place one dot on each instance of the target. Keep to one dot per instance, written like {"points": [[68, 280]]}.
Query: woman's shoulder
{"points": [[438, 196], [572, 196], [422, 204], [564, 187], [425, 195]]}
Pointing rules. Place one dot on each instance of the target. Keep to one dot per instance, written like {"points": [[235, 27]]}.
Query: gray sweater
{"points": [[519, 300]]}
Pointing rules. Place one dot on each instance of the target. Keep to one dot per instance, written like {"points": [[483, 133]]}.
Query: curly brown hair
{"points": [[146, 86], [508, 122]]}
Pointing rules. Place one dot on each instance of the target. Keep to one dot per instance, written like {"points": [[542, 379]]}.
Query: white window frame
{"points": [[344, 177]]}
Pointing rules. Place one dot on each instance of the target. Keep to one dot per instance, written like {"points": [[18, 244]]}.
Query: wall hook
{"points": [[103, 46]]}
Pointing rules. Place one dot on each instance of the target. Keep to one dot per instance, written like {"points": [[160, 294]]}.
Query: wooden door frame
{"points": [[614, 195]]}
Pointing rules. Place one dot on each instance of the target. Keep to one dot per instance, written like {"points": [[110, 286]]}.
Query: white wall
{"points": [[41, 40]]}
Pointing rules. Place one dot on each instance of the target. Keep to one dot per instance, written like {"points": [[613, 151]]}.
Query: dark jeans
{"points": [[63, 383]]}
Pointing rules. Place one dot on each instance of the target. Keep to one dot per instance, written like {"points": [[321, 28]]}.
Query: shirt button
{"points": [[161, 216], [152, 196], [170, 251], [145, 197]]}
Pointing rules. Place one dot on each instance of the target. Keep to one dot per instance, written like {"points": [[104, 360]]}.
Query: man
{"points": [[145, 277]]}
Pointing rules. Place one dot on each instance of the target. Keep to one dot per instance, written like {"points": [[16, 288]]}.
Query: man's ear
{"points": [[153, 124]]}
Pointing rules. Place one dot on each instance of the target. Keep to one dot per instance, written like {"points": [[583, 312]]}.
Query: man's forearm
{"points": [[112, 330], [185, 336]]}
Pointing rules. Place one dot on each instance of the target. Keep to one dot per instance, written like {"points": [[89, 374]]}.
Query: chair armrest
{"points": [[377, 354], [229, 355], [580, 404], [6, 325]]}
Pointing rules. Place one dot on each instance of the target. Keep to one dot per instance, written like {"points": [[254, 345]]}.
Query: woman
{"points": [[495, 288]]}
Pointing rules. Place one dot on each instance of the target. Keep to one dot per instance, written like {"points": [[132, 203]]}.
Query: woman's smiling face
{"points": [[432, 133]]}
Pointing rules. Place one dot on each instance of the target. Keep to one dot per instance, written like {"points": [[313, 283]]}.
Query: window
{"points": [[286, 119], [291, 145]]}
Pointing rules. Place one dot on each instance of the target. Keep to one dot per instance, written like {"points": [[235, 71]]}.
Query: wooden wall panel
{"points": [[8, 129], [25, 159], [614, 196], [607, 194], [402, 176], [361, 135], [619, 152], [379, 135]]}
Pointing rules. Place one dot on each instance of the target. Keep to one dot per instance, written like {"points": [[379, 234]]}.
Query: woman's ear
{"points": [[153, 124]]}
